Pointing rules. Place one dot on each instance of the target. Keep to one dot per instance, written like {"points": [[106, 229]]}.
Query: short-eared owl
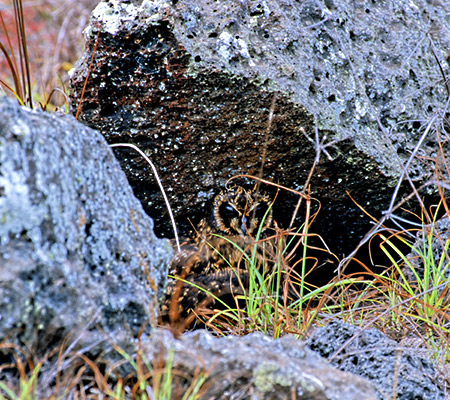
{"points": [[214, 258]]}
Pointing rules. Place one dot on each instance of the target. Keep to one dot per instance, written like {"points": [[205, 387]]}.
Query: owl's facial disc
{"points": [[229, 218], [239, 212], [258, 215]]}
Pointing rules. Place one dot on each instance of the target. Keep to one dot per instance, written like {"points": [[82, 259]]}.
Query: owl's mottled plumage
{"points": [[213, 258]]}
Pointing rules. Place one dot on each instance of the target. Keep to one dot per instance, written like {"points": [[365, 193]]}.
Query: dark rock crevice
{"points": [[202, 120]]}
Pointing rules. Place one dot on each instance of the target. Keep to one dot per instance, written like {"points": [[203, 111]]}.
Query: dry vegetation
{"points": [[409, 300], [39, 44]]}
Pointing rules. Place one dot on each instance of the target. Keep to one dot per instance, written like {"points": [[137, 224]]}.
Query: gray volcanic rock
{"points": [[76, 248], [372, 355], [192, 83], [257, 367], [348, 63]]}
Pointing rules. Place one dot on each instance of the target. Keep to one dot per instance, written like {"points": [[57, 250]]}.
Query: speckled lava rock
{"points": [[192, 83], [372, 355], [257, 367], [77, 251]]}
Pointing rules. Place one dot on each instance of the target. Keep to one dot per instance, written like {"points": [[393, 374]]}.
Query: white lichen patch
{"points": [[20, 129], [115, 15], [269, 375], [17, 213], [229, 47]]}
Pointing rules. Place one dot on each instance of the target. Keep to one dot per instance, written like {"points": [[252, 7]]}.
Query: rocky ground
{"points": [[80, 262], [209, 90]]}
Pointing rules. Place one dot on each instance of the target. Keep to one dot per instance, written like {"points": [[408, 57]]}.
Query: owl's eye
{"points": [[260, 210], [227, 211]]}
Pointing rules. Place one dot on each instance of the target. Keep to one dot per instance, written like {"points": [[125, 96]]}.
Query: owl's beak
{"points": [[244, 227]]}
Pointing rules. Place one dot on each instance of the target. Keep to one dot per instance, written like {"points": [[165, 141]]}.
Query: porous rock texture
{"points": [[257, 367], [395, 370], [192, 82], [77, 251]]}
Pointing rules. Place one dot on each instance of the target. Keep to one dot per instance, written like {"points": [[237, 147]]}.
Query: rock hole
{"points": [[107, 110], [87, 228]]}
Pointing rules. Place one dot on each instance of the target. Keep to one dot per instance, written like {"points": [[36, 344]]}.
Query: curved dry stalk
{"points": [[305, 196], [87, 76], [155, 172], [266, 141]]}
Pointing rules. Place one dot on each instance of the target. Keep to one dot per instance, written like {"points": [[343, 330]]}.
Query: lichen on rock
{"points": [[76, 249]]}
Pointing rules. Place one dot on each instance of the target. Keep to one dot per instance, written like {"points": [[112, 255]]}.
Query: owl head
{"points": [[241, 212]]}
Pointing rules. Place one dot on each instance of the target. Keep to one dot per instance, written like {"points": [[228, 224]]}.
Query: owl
{"points": [[215, 259]]}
